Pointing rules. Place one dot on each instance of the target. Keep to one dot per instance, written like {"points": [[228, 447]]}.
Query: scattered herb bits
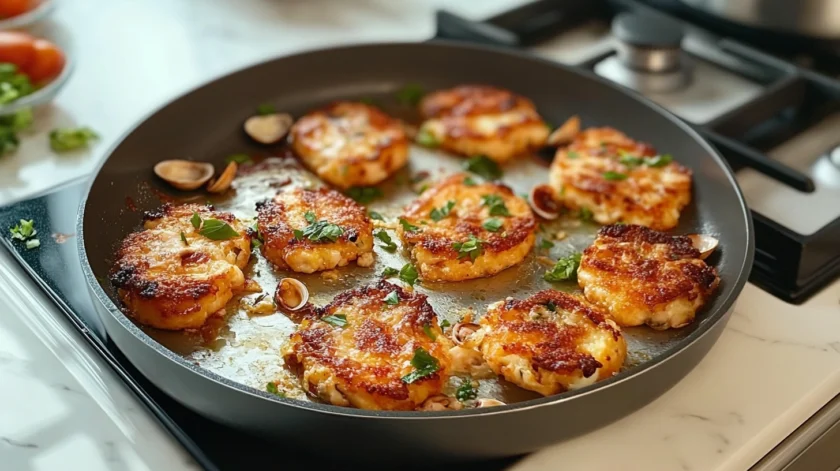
{"points": [[472, 248], [239, 159], [427, 329], [364, 194], [318, 231], [23, 230], [387, 243], [407, 226], [409, 274], [426, 139], [393, 298], [659, 160], [388, 272], [272, 388], [215, 229], [483, 167], [444, 324], [184, 238], [496, 205], [466, 391], [492, 224], [69, 139], [375, 215], [266, 109], [585, 214], [337, 320], [410, 94], [439, 213], [614, 176], [565, 269], [424, 365]]}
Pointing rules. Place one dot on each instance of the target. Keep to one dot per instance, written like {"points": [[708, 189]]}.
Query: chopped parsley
{"points": [[546, 244], [184, 238], [387, 243], [407, 226], [426, 138], [585, 214], [565, 269], [427, 329], [256, 240], [410, 94], [393, 298], [338, 320], [444, 324], [266, 109], [13, 83], [439, 213], [496, 204], [631, 160], [388, 272], [659, 160], [466, 391], [551, 306], [32, 244], [67, 139], [364, 194], [320, 231], [614, 176], [572, 154], [634, 161], [470, 181], [424, 365], [214, 229], [483, 167], [310, 217], [409, 274], [472, 248], [272, 388], [239, 159], [195, 220], [23, 230], [492, 224], [375, 215]]}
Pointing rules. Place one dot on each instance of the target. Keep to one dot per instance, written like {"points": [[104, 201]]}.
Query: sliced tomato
{"points": [[47, 63], [10, 8], [16, 48]]}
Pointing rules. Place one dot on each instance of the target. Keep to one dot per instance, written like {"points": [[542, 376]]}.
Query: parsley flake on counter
{"points": [[387, 243], [25, 229], [239, 159], [565, 269], [388, 272], [492, 224], [439, 213], [614, 176], [472, 248], [338, 320], [409, 274], [67, 139], [496, 205], [466, 391], [424, 365], [483, 167], [410, 94], [393, 298], [215, 229], [364, 194], [407, 226]]}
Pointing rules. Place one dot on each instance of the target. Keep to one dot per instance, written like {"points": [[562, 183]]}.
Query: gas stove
{"points": [[772, 111]]}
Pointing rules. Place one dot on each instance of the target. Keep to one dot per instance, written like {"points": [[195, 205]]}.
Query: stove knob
{"points": [[648, 43]]}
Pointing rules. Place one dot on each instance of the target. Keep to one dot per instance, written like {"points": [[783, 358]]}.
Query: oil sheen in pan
{"points": [[246, 348]]}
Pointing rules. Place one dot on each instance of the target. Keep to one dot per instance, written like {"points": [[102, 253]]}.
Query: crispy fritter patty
{"points": [[641, 276], [617, 179], [360, 351], [550, 342], [482, 120], [289, 227], [350, 144], [441, 248], [168, 283]]}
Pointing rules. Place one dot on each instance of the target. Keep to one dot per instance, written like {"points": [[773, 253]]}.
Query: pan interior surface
{"points": [[205, 125]]}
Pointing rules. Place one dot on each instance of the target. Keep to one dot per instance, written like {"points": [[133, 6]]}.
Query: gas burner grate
{"points": [[789, 265]]}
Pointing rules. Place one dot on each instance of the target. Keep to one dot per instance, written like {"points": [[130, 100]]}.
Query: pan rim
{"points": [[631, 373]]}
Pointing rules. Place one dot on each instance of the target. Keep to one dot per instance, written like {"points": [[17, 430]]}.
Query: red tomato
{"points": [[10, 8], [16, 48], [47, 63]]}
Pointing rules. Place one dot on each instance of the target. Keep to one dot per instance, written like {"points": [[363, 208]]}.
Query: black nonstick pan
{"points": [[205, 124]]}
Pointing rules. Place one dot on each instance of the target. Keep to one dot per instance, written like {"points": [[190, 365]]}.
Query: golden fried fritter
{"points": [[170, 276], [482, 120], [550, 342], [376, 347], [350, 144], [641, 276], [620, 180], [313, 230], [481, 229]]}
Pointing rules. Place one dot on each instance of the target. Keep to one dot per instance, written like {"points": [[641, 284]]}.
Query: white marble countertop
{"points": [[60, 406]]}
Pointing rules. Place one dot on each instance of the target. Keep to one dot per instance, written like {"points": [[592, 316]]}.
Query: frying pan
{"points": [[207, 122]]}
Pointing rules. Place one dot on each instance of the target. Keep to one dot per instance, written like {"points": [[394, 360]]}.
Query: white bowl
{"points": [[31, 17]]}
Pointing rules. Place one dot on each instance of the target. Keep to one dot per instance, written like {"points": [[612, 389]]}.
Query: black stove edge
{"points": [[102, 350]]}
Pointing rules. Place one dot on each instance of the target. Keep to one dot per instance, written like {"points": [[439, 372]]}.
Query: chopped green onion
{"points": [[32, 243]]}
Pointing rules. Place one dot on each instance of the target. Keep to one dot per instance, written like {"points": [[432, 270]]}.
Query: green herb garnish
{"points": [[551, 306], [272, 388], [572, 154], [424, 365], [614, 176], [13, 84], [388, 272], [427, 329], [470, 181], [659, 160], [195, 220], [407, 226], [472, 248], [375, 215], [631, 160], [338, 320], [239, 159], [565, 269], [426, 138], [364, 194], [23, 230], [410, 94], [67, 139], [184, 238], [444, 324], [496, 204], [439, 213], [409, 274], [319, 231], [387, 243], [546, 244], [466, 391], [393, 298], [266, 109], [309, 216], [585, 214], [492, 224], [214, 229], [483, 167]]}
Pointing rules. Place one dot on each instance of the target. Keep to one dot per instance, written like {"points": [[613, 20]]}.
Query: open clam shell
{"points": [[221, 184], [291, 294], [544, 203], [184, 174], [704, 244], [268, 129]]}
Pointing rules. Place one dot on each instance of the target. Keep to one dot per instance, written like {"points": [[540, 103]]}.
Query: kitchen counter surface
{"points": [[62, 407]]}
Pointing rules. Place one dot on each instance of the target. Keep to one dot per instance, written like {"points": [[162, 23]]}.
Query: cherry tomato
{"points": [[16, 48], [47, 63], [10, 8]]}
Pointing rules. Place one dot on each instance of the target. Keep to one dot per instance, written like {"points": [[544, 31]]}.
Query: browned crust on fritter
{"points": [[315, 341], [515, 230], [548, 346], [607, 254]]}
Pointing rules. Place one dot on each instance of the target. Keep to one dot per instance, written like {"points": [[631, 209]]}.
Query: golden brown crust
{"points": [[650, 196], [550, 342], [168, 284], [350, 144], [433, 243], [483, 120], [278, 220], [641, 276], [362, 363]]}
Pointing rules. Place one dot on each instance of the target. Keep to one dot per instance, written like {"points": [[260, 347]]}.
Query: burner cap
{"points": [[647, 31]]}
